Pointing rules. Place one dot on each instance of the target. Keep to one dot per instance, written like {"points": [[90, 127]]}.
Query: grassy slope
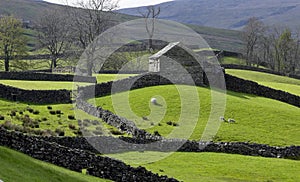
{"points": [[257, 118], [49, 85], [110, 77], [217, 167], [233, 60], [19, 167], [277, 82], [53, 122]]}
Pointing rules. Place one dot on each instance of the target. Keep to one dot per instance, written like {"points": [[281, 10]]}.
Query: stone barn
{"points": [[177, 62]]}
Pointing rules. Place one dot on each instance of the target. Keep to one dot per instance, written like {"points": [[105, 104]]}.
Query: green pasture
{"points": [[257, 120], [56, 85], [194, 167], [233, 60], [287, 84], [52, 122], [16, 166]]}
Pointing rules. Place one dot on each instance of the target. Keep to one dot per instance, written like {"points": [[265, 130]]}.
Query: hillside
{"points": [[272, 126], [32, 9], [16, 166], [287, 84], [229, 14]]}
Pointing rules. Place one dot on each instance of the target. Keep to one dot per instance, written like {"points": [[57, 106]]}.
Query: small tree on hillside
{"points": [[252, 32], [12, 41], [54, 34]]}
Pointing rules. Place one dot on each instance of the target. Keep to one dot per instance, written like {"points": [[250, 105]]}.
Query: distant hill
{"points": [[32, 10], [25, 9], [228, 14]]}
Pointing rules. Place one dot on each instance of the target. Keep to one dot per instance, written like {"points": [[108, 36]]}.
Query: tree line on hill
{"points": [[275, 47], [67, 31]]}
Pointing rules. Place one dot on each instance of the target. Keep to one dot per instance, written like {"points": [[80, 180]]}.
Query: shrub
{"points": [[44, 119], [2, 117], [59, 132], [7, 125], [78, 132], [52, 112], [21, 112], [48, 133], [170, 123], [49, 107], [156, 133], [71, 117], [58, 112], [36, 112], [30, 110], [72, 127], [175, 124], [159, 124], [38, 132], [115, 132], [13, 113]]}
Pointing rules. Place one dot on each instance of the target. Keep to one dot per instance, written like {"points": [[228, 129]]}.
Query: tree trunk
{"points": [[53, 63], [150, 44], [6, 63]]}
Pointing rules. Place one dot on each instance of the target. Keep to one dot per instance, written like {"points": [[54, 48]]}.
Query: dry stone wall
{"points": [[250, 68], [33, 76], [35, 96], [108, 144], [245, 86], [76, 160]]}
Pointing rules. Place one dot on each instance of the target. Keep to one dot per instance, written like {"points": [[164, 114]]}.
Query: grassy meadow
{"points": [[16, 166], [56, 85], [194, 167], [257, 120], [287, 84], [40, 118], [176, 115]]}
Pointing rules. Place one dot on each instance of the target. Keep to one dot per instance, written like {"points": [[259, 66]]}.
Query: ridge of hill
{"points": [[229, 14], [32, 10]]}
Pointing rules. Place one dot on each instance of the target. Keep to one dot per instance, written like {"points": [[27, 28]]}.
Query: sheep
{"points": [[231, 120], [222, 119], [154, 101]]}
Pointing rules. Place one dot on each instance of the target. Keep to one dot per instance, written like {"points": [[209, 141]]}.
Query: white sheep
{"points": [[154, 101], [222, 119]]}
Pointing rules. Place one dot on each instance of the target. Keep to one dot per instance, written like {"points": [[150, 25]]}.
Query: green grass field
{"points": [[16, 166], [111, 77], [51, 85], [233, 60], [257, 120], [47, 121], [194, 167], [274, 81]]}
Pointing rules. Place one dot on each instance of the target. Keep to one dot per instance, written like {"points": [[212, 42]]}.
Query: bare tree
{"points": [[54, 34], [150, 16], [89, 21], [251, 34]]}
